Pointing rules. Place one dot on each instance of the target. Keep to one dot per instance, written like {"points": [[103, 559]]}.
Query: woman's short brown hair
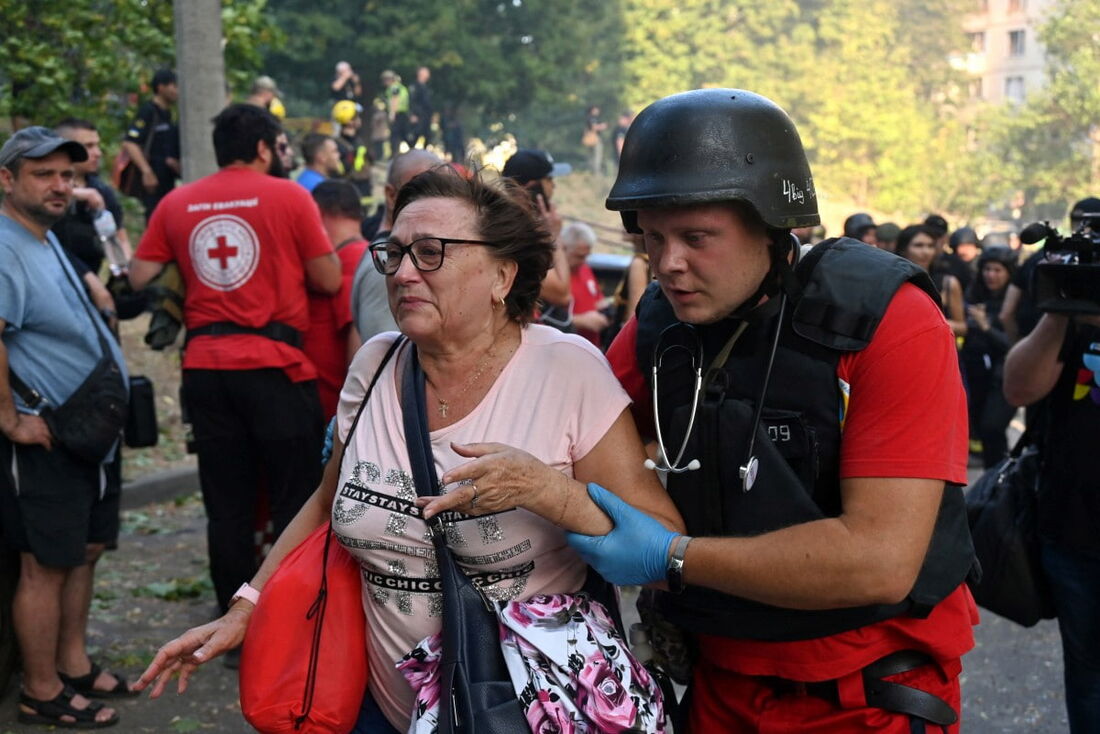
{"points": [[505, 217]]}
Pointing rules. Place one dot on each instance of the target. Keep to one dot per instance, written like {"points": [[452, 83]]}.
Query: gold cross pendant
{"points": [[443, 408]]}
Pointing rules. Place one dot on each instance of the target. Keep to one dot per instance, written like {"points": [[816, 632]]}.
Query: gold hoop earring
{"points": [[502, 304]]}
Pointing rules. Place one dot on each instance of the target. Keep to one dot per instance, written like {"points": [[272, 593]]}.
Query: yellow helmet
{"points": [[344, 111], [277, 108]]}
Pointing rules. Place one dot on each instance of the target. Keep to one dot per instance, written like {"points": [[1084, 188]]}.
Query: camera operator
{"points": [[1060, 360]]}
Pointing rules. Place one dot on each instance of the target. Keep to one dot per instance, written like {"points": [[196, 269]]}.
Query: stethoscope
{"points": [[749, 471]]}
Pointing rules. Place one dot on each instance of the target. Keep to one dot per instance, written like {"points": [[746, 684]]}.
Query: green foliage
{"points": [[529, 67], [176, 589], [1048, 148], [90, 58]]}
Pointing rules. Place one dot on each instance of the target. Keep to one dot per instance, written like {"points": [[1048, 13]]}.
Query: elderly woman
{"points": [[463, 269]]}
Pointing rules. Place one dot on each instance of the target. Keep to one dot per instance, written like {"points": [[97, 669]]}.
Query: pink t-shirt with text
{"points": [[556, 398]]}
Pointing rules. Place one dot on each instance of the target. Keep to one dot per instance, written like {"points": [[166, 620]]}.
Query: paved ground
{"points": [[155, 586]]}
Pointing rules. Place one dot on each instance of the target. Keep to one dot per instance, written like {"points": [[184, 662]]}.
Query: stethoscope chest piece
{"points": [[748, 473]]}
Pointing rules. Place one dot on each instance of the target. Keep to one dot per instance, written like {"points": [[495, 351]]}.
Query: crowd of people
{"points": [[805, 409]]}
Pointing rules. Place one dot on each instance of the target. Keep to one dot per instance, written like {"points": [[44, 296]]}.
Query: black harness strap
{"points": [[901, 698], [274, 330]]}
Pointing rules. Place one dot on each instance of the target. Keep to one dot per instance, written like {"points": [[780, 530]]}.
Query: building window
{"points": [[1016, 46], [977, 42], [976, 90], [1017, 6], [1014, 88]]}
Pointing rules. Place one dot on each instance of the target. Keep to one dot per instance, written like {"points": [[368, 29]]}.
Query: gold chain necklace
{"points": [[444, 405]]}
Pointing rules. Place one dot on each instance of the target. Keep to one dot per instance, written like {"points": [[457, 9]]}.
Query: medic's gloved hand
{"points": [[326, 449], [636, 549]]}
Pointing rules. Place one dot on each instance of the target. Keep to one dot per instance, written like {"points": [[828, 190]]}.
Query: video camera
{"points": [[1068, 280]]}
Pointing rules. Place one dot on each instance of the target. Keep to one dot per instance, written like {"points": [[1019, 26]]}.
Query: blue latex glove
{"points": [[326, 449], [636, 549]]}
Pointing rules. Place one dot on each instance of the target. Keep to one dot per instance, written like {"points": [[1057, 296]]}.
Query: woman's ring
{"points": [[473, 502]]}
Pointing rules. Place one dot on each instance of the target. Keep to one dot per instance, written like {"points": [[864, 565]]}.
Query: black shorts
{"points": [[50, 504]]}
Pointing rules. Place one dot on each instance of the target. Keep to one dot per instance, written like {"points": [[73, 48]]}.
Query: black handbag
{"points": [[471, 668], [141, 422], [1002, 510], [91, 420]]}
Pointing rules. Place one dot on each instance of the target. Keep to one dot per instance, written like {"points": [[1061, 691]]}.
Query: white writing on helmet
{"points": [[792, 192]]}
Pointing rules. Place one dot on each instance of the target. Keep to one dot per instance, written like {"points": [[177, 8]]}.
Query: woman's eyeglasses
{"points": [[426, 253]]}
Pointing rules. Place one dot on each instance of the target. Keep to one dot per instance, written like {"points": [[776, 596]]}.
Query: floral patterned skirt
{"points": [[571, 671]]}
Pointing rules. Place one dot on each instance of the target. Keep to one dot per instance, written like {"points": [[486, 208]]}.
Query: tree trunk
{"points": [[201, 71]]}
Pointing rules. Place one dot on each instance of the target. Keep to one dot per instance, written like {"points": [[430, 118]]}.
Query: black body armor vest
{"points": [[845, 288]]}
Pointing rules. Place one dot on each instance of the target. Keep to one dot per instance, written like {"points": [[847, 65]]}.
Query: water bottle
{"points": [[107, 230]]}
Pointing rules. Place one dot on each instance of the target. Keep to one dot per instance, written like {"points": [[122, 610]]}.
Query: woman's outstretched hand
{"points": [[193, 648]]}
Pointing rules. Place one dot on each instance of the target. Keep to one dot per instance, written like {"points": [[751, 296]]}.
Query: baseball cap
{"points": [[266, 82], [39, 142], [531, 165]]}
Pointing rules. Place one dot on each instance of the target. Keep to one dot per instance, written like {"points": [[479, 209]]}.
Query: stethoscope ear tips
{"points": [[653, 466]]}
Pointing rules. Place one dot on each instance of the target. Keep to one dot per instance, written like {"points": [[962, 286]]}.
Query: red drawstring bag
{"points": [[304, 625], [304, 660]]}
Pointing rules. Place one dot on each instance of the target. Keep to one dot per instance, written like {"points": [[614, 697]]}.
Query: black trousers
{"points": [[990, 413], [255, 430]]}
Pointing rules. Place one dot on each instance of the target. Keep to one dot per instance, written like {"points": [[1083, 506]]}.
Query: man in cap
{"points": [[1058, 363], [535, 171], [264, 92], [59, 510], [962, 257], [817, 467], [153, 141]]}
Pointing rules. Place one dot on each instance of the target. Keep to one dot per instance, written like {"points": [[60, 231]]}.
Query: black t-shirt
{"points": [[963, 272], [1069, 497], [76, 230], [420, 101], [161, 124]]}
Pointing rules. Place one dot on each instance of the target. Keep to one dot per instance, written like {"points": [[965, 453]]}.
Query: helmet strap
{"points": [[780, 277]]}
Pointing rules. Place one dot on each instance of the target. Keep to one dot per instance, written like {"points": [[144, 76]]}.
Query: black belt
{"points": [[275, 330], [882, 694]]}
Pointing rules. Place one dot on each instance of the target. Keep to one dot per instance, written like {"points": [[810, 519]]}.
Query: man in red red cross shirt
{"points": [[248, 245]]}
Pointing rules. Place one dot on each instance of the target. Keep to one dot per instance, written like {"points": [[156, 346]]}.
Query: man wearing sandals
{"points": [[59, 511], [812, 424]]}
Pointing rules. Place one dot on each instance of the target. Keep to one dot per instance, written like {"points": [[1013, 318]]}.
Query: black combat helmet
{"points": [[715, 145]]}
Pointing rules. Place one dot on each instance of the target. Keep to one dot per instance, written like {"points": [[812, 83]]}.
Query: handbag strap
{"points": [[422, 462], [320, 603], [31, 397], [1029, 437]]}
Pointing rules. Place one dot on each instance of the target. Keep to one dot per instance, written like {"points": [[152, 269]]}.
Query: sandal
{"points": [[51, 712], [85, 685]]}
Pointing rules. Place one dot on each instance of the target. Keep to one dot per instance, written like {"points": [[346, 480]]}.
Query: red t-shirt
{"points": [[586, 297], [905, 417], [241, 239], [326, 341]]}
